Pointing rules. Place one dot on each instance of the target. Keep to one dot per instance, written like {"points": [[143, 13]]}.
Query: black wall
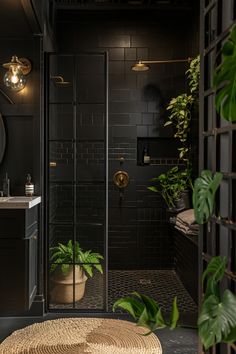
{"points": [[138, 232], [24, 31]]}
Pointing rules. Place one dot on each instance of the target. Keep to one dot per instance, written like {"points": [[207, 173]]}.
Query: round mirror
{"points": [[2, 138]]}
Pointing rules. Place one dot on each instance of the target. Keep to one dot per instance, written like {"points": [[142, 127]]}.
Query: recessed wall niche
{"points": [[162, 150]]}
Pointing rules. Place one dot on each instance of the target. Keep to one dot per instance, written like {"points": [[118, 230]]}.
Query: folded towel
{"points": [[187, 217], [186, 229]]}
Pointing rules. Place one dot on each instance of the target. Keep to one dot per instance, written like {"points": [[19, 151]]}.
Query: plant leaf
{"points": [[150, 304], [174, 314], [217, 319], [204, 191], [131, 305], [215, 268], [224, 80]]}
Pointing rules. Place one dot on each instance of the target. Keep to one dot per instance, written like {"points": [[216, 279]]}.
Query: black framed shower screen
{"points": [[77, 173]]}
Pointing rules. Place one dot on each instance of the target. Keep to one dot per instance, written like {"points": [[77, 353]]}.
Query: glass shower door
{"points": [[77, 182]]}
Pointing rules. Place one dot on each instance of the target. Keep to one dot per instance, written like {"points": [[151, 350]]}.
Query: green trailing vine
{"points": [[193, 75], [180, 110], [180, 117]]}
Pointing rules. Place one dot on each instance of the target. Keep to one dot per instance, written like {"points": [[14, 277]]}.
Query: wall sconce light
{"points": [[142, 64], [15, 76]]}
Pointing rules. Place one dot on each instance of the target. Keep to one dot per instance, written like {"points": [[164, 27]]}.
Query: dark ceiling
{"points": [[125, 4], [13, 21]]}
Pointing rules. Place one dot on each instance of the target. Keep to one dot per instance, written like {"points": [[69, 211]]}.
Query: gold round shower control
{"points": [[121, 179]]}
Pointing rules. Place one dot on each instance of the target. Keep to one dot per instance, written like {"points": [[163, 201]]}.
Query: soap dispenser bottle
{"points": [[29, 187], [146, 156], [6, 186]]}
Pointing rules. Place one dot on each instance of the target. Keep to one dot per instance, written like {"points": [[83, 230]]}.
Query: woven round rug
{"points": [[81, 336]]}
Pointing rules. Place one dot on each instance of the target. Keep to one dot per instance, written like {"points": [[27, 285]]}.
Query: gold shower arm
{"points": [[164, 61], [142, 64]]}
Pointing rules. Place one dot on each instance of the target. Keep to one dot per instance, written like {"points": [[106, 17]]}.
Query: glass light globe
{"points": [[14, 79]]}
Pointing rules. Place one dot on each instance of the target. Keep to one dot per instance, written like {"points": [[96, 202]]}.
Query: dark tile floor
{"points": [[163, 285]]}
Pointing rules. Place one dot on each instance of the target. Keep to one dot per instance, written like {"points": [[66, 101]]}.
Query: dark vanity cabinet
{"points": [[18, 259]]}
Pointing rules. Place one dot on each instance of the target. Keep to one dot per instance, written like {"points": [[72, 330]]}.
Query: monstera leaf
{"points": [[217, 319], [224, 80], [214, 273], [204, 191]]}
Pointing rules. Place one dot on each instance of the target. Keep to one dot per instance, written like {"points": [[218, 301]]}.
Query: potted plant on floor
{"points": [[64, 274]]}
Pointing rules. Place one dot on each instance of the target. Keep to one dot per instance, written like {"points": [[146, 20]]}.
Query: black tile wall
{"points": [[138, 229]]}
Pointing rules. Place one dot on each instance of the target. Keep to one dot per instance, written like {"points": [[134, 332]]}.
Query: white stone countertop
{"points": [[19, 202]]}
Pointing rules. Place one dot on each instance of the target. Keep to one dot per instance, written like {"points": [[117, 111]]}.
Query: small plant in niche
{"points": [[62, 258]]}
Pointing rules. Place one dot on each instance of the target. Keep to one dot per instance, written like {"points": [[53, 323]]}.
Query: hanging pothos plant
{"points": [[180, 118], [180, 109], [224, 80], [193, 74]]}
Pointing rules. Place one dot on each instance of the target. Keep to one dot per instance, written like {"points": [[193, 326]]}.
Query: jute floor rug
{"points": [[81, 336]]}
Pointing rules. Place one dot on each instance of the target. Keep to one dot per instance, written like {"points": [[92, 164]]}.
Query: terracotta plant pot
{"points": [[61, 291]]}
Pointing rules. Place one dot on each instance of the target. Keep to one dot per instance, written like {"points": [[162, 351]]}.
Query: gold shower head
{"points": [[140, 66]]}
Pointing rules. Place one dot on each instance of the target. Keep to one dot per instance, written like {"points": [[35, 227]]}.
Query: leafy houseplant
{"points": [[225, 78], [62, 258], [217, 319], [147, 312], [171, 184]]}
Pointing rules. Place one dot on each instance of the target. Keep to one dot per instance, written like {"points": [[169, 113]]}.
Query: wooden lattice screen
{"points": [[217, 147]]}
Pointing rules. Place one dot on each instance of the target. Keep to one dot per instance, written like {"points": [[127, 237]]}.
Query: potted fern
{"points": [[63, 276]]}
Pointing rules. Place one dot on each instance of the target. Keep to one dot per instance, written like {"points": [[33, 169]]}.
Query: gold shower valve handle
{"points": [[121, 179], [53, 164]]}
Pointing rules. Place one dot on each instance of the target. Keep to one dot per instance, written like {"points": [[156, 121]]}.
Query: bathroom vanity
{"points": [[18, 253]]}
